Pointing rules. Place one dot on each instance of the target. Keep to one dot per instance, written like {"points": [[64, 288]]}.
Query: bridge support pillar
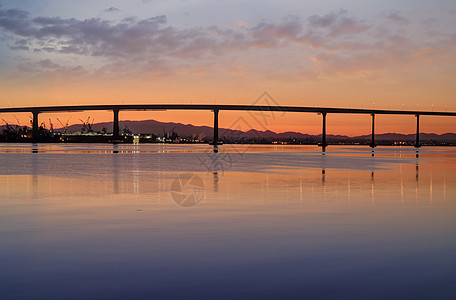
{"points": [[215, 139], [417, 140], [115, 125], [372, 143], [323, 135], [35, 133]]}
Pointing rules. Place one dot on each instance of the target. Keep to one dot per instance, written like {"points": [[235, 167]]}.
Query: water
{"points": [[250, 222]]}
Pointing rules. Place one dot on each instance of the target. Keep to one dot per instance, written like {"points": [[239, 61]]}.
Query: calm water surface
{"points": [[249, 222]]}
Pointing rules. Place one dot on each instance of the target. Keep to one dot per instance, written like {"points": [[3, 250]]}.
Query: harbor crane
{"points": [[65, 127], [87, 126], [51, 125], [18, 123]]}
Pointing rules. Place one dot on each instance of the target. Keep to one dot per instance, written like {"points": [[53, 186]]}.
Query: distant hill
{"points": [[189, 130]]}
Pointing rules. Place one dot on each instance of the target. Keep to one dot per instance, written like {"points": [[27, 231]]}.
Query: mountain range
{"points": [[204, 133], [189, 130]]}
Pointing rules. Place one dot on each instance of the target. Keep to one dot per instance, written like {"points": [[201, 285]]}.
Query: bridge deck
{"points": [[74, 108]]}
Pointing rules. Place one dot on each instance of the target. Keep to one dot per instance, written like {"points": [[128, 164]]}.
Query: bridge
{"points": [[215, 108]]}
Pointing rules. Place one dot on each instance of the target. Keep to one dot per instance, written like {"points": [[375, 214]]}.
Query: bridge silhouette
{"points": [[215, 108]]}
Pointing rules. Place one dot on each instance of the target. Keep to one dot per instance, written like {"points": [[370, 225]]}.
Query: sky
{"points": [[365, 54]]}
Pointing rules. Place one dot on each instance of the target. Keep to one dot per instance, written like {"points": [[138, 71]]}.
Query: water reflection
{"points": [[417, 167], [34, 148], [444, 188], [311, 209], [372, 187], [115, 173], [323, 170], [216, 168], [34, 174], [216, 182], [402, 189], [138, 173]]}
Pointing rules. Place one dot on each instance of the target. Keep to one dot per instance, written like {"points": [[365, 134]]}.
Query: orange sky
{"points": [[350, 125], [386, 56]]}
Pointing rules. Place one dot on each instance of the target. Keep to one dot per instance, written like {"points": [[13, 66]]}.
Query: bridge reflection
{"points": [[125, 177]]}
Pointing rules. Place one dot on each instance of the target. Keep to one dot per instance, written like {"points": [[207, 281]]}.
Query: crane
{"points": [[85, 125], [18, 123], [90, 124], [65, 127], [8, 127], [168, 135], [51, 125]]}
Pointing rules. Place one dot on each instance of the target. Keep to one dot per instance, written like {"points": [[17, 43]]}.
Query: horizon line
{"points": [[253, 129]]}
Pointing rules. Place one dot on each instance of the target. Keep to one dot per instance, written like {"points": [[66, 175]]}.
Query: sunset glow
{"points": [[227, 149], [374, 54]]}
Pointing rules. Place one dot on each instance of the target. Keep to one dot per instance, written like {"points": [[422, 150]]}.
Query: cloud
{"points": [[153, 36], [337, 24], [395, 17], [14, 13], [340, 42], [112, 9], [20, 44], [48, 64], [47, 68]]}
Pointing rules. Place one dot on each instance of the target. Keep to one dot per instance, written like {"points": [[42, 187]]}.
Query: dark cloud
{"points": [[48, 64], [154, 37], [337, 24], [15, 21], [112, 9], [270, 34], [14, 13], [25, 48], [339, 40], [316, 31], [20, 44]]}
